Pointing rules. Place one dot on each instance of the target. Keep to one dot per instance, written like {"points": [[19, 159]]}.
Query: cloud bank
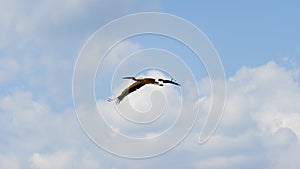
{"points": [[259, 129]]}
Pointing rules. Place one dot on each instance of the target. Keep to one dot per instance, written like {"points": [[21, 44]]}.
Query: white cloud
{"points": [[261, 119], [259, 124], [259, 129], [266, 95], [63, 160], [222, 162], [24, 22], [9, 162], [58, 160], [51, 139]]}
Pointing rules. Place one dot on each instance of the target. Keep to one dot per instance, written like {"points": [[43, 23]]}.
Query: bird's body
{"points": [[140, 82]]}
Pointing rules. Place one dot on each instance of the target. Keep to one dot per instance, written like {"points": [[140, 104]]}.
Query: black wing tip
{"points": [[128, 77]]}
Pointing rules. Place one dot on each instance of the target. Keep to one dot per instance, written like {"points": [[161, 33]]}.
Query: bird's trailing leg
{"points": [[111, 99], [116, 100]]}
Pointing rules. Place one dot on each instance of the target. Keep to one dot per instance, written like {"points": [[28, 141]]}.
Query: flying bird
{"points": [[140, 82]]}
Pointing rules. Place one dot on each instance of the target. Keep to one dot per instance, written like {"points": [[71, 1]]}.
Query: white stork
{"points": [[139, 82]]}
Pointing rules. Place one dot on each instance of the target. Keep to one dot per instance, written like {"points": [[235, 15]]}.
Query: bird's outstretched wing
{"points": [[133, 87]]}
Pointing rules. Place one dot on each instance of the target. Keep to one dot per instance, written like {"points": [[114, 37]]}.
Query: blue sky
{"points": [[245, 33], [258, 44]]}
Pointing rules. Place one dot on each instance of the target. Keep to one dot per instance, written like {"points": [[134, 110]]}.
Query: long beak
{"points": [[176, 83]]}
